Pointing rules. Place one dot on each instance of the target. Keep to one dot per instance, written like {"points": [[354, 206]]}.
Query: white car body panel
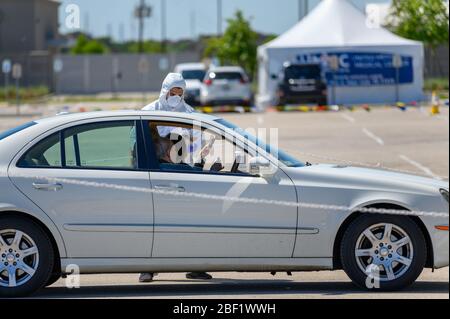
{"points": [[193, 227], [303, 242], [222, 90]]}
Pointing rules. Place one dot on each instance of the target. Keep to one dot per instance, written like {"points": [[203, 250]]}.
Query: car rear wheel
{"points": [[53, 279], [26, 256], [383, 252]]}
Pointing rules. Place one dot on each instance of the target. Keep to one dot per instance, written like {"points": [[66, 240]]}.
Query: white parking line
{"points": [[373, 136], [423, 168], [348, 118]]}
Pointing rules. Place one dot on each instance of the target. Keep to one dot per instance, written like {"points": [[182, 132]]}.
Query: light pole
{"points": [[219, 17], [163, 25], [300, 9], [303, 9], [141, 12]]}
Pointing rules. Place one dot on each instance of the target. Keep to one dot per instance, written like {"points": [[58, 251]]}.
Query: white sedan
{"points": [[109, 192]]}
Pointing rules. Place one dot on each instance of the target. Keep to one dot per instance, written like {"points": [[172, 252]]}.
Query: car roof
{"points": [[72, 117], [227, 69], [190, 66]]}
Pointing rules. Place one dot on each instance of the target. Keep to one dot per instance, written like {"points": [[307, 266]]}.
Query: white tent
{"points": [[366, 53]]}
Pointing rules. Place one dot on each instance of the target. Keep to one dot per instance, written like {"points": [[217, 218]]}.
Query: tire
{"points": [[40, 260], [322, 102], [53, 278], [383, 252]]}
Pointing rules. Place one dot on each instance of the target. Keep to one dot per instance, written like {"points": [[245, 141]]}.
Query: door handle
{"points": [[171, 188], [47, 186]]}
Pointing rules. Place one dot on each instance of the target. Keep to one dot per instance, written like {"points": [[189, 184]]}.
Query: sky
{"points": [[185, 18]]}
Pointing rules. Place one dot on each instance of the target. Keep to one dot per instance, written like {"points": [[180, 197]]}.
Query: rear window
{"points": [[226, 76], [303, 71], [15, 130], [193, 75]]}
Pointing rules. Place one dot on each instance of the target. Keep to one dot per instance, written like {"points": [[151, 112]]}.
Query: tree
{"points": [[421, 20], [237, 46], [87, 46]]}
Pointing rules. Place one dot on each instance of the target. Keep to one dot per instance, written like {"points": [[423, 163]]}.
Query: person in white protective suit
{"points": [[171, 99]]}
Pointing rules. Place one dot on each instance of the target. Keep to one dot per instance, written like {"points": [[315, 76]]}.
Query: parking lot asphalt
{"points": [[313, 285], [409, 140]]}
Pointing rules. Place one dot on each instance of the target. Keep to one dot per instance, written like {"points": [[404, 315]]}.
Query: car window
{"points": [[96, 145], [302, 71], [101, 145], [184, 147], [226, 76], [193, 75], [46, 153], [282, 156]]}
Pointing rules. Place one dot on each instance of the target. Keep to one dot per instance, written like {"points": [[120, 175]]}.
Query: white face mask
{"points": [[173, 101]]}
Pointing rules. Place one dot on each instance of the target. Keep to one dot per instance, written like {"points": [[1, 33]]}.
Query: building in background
{"points": [[28, 25], [29, 36]]}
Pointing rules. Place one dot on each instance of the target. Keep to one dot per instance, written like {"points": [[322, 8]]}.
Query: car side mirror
{"points": [[260, 166]]}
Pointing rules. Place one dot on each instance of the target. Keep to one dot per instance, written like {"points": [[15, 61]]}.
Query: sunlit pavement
{"points": [[324, 284], [410, 141]]}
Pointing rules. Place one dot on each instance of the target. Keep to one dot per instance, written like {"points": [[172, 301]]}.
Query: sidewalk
{"points": [[23, 111]]}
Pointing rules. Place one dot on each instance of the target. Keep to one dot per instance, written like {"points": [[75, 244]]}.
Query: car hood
{"points": [[363, 178], [193, 84]]}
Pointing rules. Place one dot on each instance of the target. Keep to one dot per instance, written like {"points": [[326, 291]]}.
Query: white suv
{"points": [[226, 85]]}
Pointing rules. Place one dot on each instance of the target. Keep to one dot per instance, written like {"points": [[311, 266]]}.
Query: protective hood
{"points": [[171, 81]]}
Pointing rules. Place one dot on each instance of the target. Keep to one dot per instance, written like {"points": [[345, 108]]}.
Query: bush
{"points": [[26, 93], [436, 84]]}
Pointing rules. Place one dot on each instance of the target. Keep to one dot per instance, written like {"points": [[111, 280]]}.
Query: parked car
{"points": [[193, 73], [300, 83], [75, 190], [226, 85]]}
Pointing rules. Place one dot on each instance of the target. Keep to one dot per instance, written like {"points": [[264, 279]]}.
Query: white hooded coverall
{"points": [[171, 81]]}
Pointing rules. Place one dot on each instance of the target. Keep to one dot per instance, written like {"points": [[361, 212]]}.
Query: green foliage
{"points": [[26, 93], [421, 20], [436, 84], [149, 46], [237, 46], [87, 46]]}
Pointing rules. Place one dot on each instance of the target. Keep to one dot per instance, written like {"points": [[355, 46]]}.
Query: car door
{"points": [[193, 226], [95, 220]]}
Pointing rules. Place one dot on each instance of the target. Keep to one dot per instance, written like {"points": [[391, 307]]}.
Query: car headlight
{"points": [[444, 193]]}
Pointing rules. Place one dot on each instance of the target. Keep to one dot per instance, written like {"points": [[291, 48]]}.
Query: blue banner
{"points": [[361, 68]]}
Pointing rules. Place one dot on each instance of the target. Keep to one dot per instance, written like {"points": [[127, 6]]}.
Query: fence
{"points": [[36, 68], [437, 63], [88, 74]]}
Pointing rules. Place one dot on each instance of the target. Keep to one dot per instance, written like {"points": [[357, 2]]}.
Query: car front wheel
{"points": [[383, 252], [26, 257]]}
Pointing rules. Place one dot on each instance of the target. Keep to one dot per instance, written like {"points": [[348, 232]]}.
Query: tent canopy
{"points": [[336, 23], [365, 54]]}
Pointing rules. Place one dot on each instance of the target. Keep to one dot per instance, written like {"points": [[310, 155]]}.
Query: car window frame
{"points": [[141, 149], [153, 163]]}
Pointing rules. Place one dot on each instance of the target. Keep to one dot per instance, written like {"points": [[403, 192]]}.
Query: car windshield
{"points": [[283, 157], [226, 76], [15, 130], [193, 75]]}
